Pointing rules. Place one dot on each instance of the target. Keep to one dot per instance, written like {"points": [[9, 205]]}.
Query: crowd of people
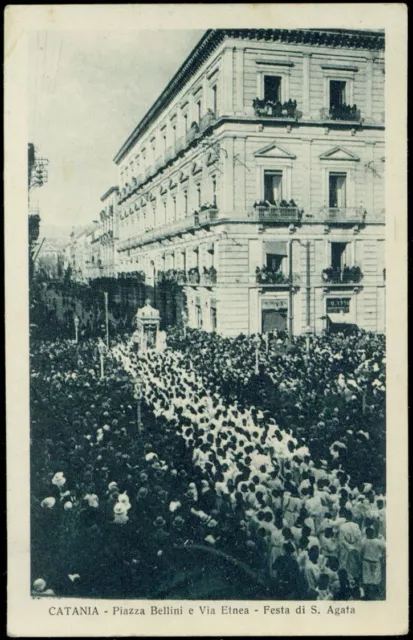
{"points": [[335, 399], [212, 460]]}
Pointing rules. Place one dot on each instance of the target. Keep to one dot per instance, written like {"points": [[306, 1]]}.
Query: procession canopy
{"points": [[147, 325]]}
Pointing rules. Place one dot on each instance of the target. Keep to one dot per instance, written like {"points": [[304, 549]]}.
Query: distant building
{"points": [[257, 179], [80, 254], [109, 232]]}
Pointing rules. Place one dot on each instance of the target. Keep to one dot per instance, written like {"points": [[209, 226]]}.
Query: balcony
{"points": [[343, 113], [276, 109], [347, 275], [269, 276], [193, 276], [209, 276], [160, 233], [265, 212], [343, 215], [193, 132], [207, 213], [207, 119]]}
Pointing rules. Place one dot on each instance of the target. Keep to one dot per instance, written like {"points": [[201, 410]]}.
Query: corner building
{"points": [[256, 180]]}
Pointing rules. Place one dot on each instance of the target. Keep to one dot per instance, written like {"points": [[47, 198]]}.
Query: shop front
{"points": [[340, 314], [274, 314]]}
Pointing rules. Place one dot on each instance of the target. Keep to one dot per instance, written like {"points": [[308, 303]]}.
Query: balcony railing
{"points": [[269, 276], [273, 213], [209, 276], [344, 112], [208, 214], [343, 215], [207, 119], [193, 132], [170, 228], [347, 275], [276, 109]]}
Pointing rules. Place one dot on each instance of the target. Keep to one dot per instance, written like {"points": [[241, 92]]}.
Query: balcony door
{"points": [[272, 88], [273, 186], [337, 190], [337, 93], [338, 256]]}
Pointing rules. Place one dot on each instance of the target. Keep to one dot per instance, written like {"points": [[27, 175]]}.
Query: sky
{"points": [[87, 92]]}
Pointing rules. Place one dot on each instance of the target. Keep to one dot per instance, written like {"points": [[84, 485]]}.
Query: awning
{"points": [[278, 248], [340, 318]]}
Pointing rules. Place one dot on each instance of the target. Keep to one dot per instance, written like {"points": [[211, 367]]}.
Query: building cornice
{"points": [[347, 39], [108, 192]]}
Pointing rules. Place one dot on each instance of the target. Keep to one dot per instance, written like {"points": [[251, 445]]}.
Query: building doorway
{"points": [[273, 319]]}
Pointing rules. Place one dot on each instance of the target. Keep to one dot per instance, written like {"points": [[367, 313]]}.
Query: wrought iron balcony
{"points": [[276, 109], [273, 213], [343, 215], [344, 113], [269, 276], [347, 275]]}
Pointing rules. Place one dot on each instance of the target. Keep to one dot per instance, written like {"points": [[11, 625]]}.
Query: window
{"points": [[272, 88], [174, 206], [185, 122], [273, 186], [198, 194], [199, 111], [337, 93], [338, 255], [337, 190], [164, 142], [215, 99], [174, 133], [214, 190]]}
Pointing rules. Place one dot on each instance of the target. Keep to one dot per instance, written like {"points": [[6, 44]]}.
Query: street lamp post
{"points": [[184, 322], [102, 348], [257, 343], [106, 318], [138, 396], [307, 341], [76, 321]]}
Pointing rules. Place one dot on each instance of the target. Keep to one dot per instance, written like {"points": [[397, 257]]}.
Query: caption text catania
{"points": [[204, 610]]}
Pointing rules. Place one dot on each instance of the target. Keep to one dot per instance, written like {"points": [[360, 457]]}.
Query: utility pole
{"points": [[106, 318]]}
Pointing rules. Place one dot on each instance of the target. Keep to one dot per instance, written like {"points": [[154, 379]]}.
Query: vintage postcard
{"points": [[206, 319]]}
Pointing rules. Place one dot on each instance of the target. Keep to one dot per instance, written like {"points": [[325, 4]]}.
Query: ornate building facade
{"points": [[257, 180], [108, 232]]}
